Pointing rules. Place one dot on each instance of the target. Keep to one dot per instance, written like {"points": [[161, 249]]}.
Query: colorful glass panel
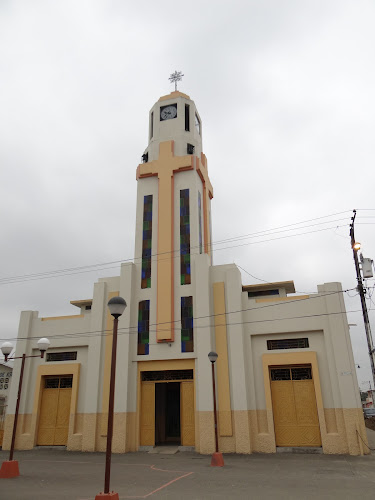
{"points": [[143, 327], [146, 242], [185, 237], [200, 220], [187, 333]]}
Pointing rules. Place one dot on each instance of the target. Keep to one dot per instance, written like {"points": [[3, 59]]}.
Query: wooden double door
{"points": [[167, 413], [295, 411], [54, 411]]}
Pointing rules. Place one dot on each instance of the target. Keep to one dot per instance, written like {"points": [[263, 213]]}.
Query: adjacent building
{"points": [[5, 381], [285, 370]]}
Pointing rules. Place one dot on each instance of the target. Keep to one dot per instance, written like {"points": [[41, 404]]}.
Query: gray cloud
{"points": [[285, 91]]}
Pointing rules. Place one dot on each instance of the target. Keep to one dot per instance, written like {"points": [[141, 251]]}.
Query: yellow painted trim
{"points": [[201, 167], [166, 364], [47, 370], [173, 95], [283, 299], [63, 369], [222, 368], [165, 167], [81, 303], [107, 364], [291, 358], [73, 316]]}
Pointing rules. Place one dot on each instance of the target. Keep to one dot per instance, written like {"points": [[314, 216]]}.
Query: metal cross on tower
{"points": [[176, 77]]}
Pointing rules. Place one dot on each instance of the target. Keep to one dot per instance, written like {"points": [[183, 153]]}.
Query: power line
{"points": [[258, 233], [103, 266], [128, 332], [100, 332]]}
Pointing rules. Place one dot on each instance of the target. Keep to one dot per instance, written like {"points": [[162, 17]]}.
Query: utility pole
{"points": [[355, 247]]}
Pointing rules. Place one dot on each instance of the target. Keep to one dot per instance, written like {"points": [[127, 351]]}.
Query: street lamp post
{"points": [[116, 307], [9, 468], [217, 459]]}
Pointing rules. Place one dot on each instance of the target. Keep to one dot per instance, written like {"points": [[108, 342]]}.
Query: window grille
{"points": [[280, 374], [61, 356], [66, 382], [303, 373], [167, 375], [58, 382], [287, 344], [297, 373], [262, 293], [51, 383]]}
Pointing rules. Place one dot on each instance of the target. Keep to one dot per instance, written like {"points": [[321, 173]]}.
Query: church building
{"points": [[285, 374]]}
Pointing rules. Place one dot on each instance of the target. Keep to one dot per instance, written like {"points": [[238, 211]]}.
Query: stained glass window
{"points": [[200, 220], [143, 327], [187, 332], [185, 237], [146, 242]]}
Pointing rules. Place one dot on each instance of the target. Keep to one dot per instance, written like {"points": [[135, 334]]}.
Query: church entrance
{"points": [[167, 409], [167, 413]]}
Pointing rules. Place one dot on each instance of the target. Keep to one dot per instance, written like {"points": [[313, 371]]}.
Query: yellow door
{"points": [[294, 407], [54, 411], [148, 414], [187, 414]]}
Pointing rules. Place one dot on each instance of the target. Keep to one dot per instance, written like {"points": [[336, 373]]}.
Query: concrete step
{"points": [[299, 449]]}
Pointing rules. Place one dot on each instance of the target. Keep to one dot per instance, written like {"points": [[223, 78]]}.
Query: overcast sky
{"points": [[285, 90]]}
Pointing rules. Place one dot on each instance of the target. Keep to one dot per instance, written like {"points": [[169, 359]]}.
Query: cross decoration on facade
{"points": [[176, 77]]}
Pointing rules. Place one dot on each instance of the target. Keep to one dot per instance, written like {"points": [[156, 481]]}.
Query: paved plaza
{"points": [[55, 474]]}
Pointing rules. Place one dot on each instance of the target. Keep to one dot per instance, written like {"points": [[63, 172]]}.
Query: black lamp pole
{"points": [[43, 344], [116, 307]]}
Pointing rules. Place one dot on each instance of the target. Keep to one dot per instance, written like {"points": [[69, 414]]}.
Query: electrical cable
{"points": [[128, 329], [55, 274], [237, 238], [372, 449]]}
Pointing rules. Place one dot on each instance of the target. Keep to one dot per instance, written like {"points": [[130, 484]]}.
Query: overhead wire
{"points": [[128, 332], [250, 235], [103, 266], [227, 313]]}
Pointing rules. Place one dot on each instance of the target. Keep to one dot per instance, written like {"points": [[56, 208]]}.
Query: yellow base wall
{"points": [[253, 432]]}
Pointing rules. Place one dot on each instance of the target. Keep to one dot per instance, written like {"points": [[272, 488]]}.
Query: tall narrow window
{"points": [[152, 125], [185, 237], [200, 221], [197, 124], [146, 242], [187, 118], [187, 332], [143, 327]]}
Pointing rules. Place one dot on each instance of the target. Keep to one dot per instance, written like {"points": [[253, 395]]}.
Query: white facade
{"points": [[285, 370]]}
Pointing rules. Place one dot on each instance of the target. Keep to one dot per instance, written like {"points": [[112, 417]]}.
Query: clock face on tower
{"points": [[168, 112]]}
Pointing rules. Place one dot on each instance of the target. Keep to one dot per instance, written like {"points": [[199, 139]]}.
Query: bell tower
{"points": [[173, 215]]}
